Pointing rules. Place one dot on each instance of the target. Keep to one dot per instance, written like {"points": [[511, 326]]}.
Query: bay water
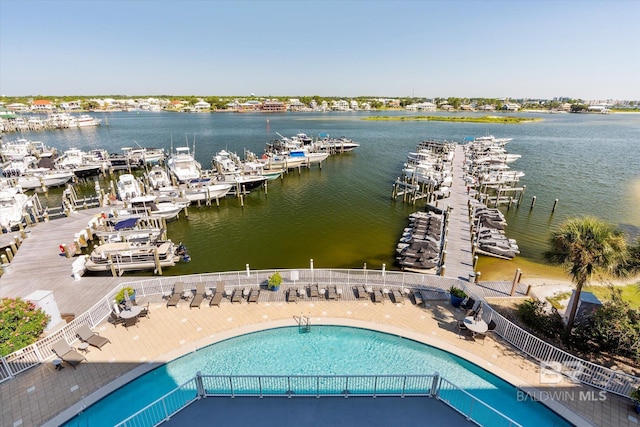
{"points": [[342, 214]]}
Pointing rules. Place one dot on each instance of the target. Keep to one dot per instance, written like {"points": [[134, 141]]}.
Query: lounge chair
{"points": [[292, 295], [198, 297], [176, 296], [237, 295], [253, 295], [67, 353], [362, 292], [92, 338], [332, 293], [417, 297], [397, 296], [218, 295], [378, 296], [313, 291]]}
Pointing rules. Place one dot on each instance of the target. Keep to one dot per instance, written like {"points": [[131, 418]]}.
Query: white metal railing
{"points": [[590, 373], [289, 386]]}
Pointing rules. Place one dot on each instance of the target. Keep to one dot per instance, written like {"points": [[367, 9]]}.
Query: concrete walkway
{"points": [[41, 393]]}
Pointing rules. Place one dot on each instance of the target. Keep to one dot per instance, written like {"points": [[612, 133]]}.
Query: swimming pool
{"points": [[326, 350]]}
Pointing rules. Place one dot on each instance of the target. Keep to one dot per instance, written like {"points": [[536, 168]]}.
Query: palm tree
{"points": [[585, 246]]}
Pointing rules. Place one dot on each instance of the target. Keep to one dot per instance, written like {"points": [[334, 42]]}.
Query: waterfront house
{"points": [[42, 105]]}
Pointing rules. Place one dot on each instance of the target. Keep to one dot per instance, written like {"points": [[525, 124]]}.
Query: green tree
{"points": [[584, 246], [21, 324]]}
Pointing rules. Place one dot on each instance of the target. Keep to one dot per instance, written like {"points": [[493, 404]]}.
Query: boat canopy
{"points": [[126, 223]]}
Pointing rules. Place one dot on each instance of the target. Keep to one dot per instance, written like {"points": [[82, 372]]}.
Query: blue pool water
{"points": [[326, 350]]}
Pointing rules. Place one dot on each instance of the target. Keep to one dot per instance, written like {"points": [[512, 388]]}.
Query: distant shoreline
{"points": [[464, 119]]}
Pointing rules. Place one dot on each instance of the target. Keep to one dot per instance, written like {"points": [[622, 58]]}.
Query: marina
{"points": [[458, 259]]}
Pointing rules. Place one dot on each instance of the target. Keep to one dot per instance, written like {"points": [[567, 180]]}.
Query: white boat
{"points": [[85, 120], [141, 156], [42, 178], [13, 206], [154, 207], [203, 189], [82, 164], [158, 178], [233, 172], [20, 148], [183, 165], [128, 187], [336, 145], [127, 256]]}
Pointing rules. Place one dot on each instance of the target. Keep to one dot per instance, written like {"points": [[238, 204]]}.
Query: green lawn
{"points": [[630, 293]]}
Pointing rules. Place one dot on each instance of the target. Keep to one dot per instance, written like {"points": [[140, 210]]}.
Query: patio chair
{"points": [[92, 338], [67, 353], [115, 319], [237, 296], [131, 321], [176, 296], [198, 297], [253, 295], [469, 303], [361, 292], [216, 299], [292, 295], [463, 330], [332, 293], [313, 291], [397, 296], [145, 311]]}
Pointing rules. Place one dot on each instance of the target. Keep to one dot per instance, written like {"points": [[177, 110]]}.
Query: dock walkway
{"points": [[40, 265], [458, 260]]}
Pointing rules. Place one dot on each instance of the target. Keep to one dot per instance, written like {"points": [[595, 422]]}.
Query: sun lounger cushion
{"points": [[92, 338]]}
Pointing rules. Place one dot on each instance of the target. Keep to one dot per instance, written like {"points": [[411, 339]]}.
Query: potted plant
{"points": [[635, 395], [120, 295], [274, 281], [457, 296]]}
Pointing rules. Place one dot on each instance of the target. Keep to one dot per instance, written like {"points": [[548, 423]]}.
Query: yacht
{"points": [[85, 120], [183, 165]]}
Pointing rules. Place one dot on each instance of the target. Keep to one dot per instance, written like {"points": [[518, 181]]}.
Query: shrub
{"points": [[613, 327], [455, 291], [21, 324], [120, 295], [274, 280], [534, 315]]}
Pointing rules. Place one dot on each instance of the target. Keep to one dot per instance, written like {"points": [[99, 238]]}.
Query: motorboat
{"points": [[133, 229], [82, 164], [154, 207], [42, 178], [129, 188], [158, 178], [13, 206], [127, 256], [203, 189], [85, 120], [142, 155], [183, 165], [232, 170]]}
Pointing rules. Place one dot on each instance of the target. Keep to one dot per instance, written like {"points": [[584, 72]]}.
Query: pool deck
{"points": [[44, 396]]}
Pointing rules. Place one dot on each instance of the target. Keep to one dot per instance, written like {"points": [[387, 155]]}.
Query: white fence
{"points": [[588, 373]]}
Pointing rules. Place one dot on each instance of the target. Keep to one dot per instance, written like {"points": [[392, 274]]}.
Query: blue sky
{"points": [[537, 49]]}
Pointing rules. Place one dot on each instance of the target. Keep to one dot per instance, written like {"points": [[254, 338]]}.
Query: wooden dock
{"points": [[39, 264], [458, 259]]}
